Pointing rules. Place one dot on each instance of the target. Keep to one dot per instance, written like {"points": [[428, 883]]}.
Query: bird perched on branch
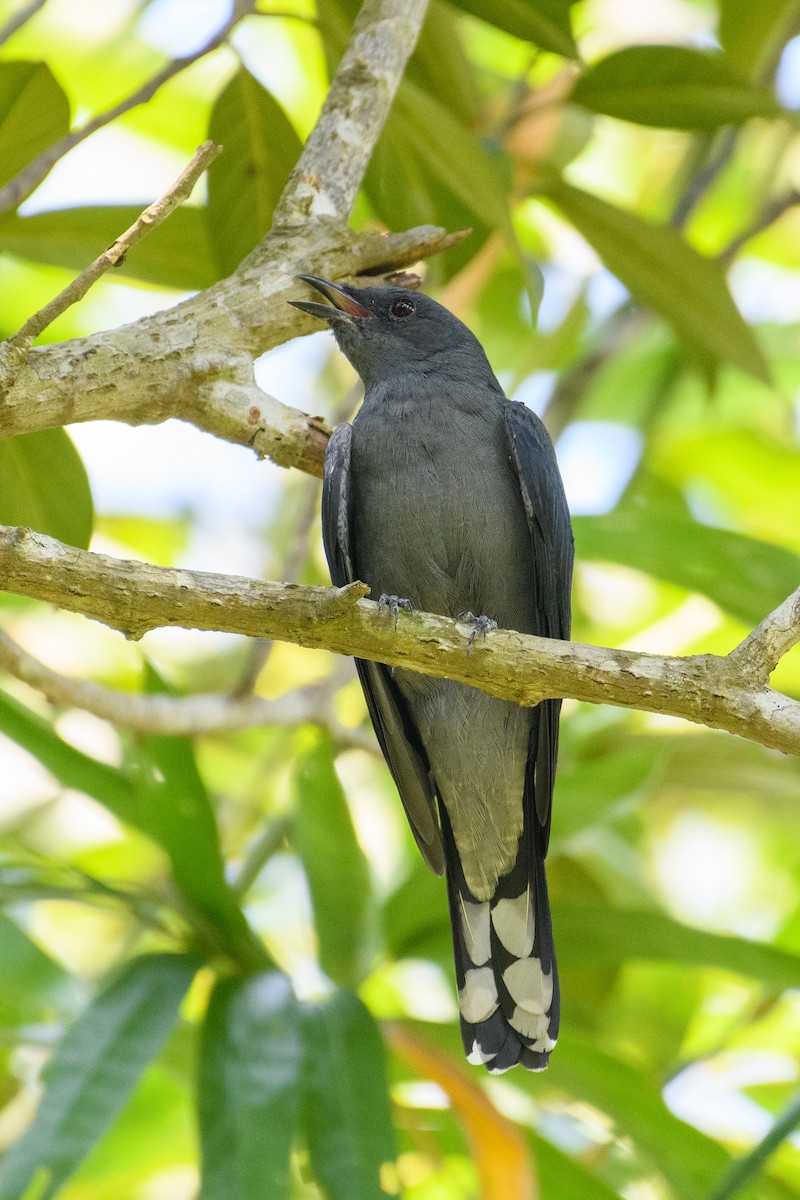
{"points": [[445, 496]]}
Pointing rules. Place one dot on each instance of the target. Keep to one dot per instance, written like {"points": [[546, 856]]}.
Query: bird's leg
{"points": [[480, 626], [394, 604]]}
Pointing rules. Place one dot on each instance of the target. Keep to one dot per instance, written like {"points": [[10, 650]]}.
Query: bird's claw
{"points": [[394, 604], [480, 626]]}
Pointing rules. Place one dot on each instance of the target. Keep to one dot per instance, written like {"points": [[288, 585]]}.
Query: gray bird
{"points": [[445, 496]]}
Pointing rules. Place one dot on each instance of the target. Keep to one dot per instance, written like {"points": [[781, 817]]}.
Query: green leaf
{"points": [[673, 87], [415, 917], [33, 985], [249, 1088], [94, 1070], [662, 270], [72, 768], [564, 1178], [166, 800], [346, 1114], [546, 23], [440, 64], [752, 34], [746, 1169], [744, 576], [599, 933], [44, 486], [175, 810], [404, 190], [34, 113], [690, 1161], [336, 869], [177, 254], [456, 156], [245, 182], [613, 779]]}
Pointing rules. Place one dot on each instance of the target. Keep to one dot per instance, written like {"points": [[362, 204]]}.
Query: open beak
{"points": [[344, 303]]}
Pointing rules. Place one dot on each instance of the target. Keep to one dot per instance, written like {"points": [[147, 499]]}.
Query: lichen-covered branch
{"points": [[326, 180], [135, 597], [195, 361]]}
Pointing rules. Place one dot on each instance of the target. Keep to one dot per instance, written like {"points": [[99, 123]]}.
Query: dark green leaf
{"points": [[753, 34], [336, 869], [44, 486], [249, 1088], [34, 113], [456, 156], [404, 190], [245, 182], [597, 933], [177, 254], [746, 577], [346, 1113], [440, 65], [33, 985], [661, 269], [672, 86], [546, 23], [95, 1069]]}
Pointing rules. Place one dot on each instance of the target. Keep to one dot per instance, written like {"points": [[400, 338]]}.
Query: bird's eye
{"points": [[403, 308]]}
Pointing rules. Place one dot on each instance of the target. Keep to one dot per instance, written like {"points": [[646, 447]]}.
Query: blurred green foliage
{"points": [[203, 940]]}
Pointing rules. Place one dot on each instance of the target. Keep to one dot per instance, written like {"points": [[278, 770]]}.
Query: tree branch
{"points": [[180, 716], [28, 179], [326, 180], [761, 651], [134, 597], [153, 216], [195, 361], [18, 19]]}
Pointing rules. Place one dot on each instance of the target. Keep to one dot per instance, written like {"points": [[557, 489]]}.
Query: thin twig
{"points": [[19, 19], [180, 716], [149, 220], [702, 179], [772, 211], [260, 852], [29, 178]]}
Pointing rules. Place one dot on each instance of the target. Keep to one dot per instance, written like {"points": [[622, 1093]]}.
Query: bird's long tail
{"points": [[505, 961]]}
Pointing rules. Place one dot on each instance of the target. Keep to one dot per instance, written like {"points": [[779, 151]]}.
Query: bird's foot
{"points": [[480, 626], [394, 604]]}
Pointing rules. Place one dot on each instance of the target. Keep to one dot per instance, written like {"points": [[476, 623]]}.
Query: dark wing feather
{"points": [[397, 736], [534, 462]]}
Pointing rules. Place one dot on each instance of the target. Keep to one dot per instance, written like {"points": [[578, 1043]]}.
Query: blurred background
{"points": [[634, 275]]}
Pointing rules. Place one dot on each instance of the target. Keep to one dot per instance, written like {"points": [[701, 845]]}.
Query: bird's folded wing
{"points": [[394, 728], [534, 462]]}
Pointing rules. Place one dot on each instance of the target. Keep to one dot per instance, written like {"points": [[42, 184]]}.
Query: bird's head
{"points": [[388, 331]]}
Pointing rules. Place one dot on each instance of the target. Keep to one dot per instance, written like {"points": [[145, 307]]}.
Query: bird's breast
{"points": [[437, 515]]}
